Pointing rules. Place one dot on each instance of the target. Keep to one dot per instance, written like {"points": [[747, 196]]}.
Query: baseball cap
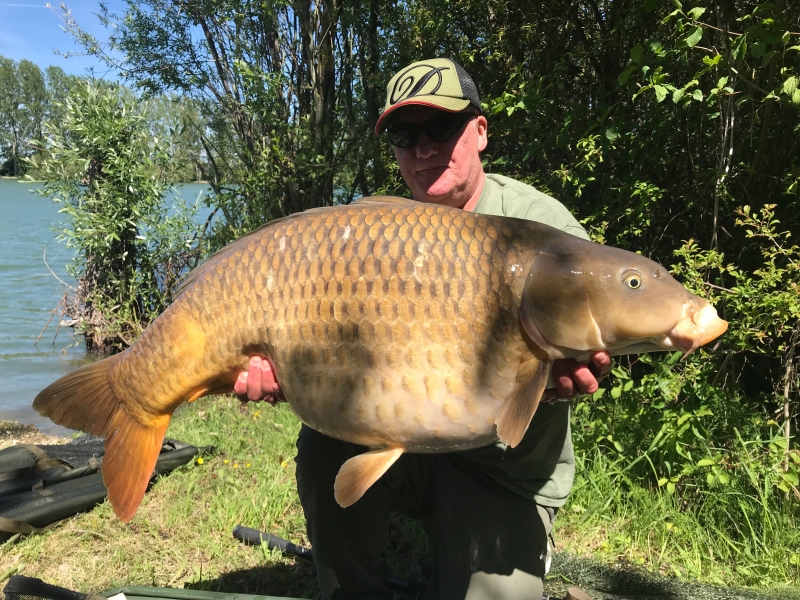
{"points": [[438, 82]]}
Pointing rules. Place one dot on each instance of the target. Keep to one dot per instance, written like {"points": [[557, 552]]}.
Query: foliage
{"points": [[106, 171], [695, 429], [291, 91], [174, 121]]}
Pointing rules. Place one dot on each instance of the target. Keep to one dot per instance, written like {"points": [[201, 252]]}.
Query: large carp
{"points": [[401, 326]]}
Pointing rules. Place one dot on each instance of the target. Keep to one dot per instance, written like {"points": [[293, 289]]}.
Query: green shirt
{"points": [[542, 466]]}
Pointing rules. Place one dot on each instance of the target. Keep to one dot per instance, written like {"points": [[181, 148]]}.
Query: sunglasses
{"points": [[437, 129]]}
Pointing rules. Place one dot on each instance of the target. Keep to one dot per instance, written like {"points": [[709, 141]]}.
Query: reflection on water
{"points": [[29, 291]]}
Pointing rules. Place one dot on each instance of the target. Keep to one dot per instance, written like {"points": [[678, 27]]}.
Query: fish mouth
{"points": [[695, 330]]}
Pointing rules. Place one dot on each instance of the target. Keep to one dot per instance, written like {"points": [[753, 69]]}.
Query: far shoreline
{"points": [[23, 180]]}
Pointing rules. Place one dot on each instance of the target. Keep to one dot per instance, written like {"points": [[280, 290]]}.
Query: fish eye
{"points": [[633, 280]]}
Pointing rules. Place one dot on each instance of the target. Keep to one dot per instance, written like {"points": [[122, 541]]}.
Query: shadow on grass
{"points": [[291, 578], [631, 582]]}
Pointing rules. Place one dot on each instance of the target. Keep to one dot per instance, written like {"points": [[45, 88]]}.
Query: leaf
{"points": [[790, 86], [697, 95], [616, 392], [696, 12], [740, 49], [612, 134], [636, 53], [625, 75], [678, 94], [655, 45], [670, 488], [694, 37], [661, 92], [757, 49], [796, 97], [706, 462]]}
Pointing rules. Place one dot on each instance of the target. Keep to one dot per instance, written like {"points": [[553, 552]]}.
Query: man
{"points": [[488, 511]]}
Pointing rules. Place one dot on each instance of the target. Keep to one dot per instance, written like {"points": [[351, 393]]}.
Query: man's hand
{"points": [[258, 383], [572, 377]]}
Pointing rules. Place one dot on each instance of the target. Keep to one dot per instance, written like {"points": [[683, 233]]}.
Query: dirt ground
{"points": [[12, 433]]}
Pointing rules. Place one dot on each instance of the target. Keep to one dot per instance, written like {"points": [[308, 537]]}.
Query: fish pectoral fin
{"points": [[516, 413], [360, 472]]}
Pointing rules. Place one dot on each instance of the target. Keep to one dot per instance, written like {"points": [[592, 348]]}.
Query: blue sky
{"points": [[29, 29]]}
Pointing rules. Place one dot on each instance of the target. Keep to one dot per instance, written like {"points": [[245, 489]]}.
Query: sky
{"points": [[31, 30]]}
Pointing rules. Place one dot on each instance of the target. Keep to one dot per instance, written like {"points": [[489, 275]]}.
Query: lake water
{"points": [[28, 294]]}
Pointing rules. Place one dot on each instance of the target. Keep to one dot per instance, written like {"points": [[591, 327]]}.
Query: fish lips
{"points": [[695, 330]]}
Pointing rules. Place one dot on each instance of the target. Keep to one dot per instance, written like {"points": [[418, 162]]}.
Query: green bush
{"points": [[104, 168]]}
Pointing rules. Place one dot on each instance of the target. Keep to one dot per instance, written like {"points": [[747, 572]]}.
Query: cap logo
{"points": [[417, 79]]}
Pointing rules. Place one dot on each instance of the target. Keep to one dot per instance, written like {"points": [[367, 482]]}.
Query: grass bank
{"points": [[181, 536]]}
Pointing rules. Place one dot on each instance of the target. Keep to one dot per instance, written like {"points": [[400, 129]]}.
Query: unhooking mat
{"points": [[29, 588], [41, 485]]}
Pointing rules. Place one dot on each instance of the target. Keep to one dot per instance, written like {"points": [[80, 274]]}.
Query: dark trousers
{"points": [[483, 544]]}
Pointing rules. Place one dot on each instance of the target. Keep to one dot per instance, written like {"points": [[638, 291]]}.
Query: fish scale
{"points": [[400, 326]]}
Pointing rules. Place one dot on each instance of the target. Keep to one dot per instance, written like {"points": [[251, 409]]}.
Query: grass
{"points": [[730, 536], [181, 536]]}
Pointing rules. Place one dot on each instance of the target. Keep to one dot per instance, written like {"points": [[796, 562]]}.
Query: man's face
{"points": [[447, 172]]}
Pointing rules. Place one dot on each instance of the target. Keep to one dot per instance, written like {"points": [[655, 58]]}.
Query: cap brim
{"points": [[442, 103]]}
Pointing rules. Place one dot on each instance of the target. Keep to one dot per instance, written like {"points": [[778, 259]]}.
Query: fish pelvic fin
{"points": [[515, 414], [85, 400], [360, 472]]}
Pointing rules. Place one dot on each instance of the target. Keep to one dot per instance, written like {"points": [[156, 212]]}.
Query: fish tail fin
{"points": [[85, 400], [360, 472]]}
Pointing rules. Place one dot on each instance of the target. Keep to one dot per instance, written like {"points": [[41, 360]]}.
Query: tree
{"points": [[281, 85], [34, 98], [11, 114], [59, 85], [177, 120], [23, 104]]}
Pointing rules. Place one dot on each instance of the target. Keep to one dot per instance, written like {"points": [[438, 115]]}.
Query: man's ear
{"points": [[481, 125]]}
